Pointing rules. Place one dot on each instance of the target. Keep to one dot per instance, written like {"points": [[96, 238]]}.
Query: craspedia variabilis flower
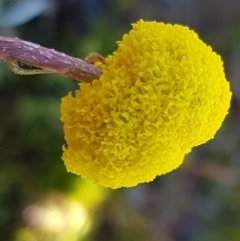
{"points": [[161, 93]]}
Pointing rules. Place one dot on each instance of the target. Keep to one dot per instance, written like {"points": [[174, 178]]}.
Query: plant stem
{"points": [[17, 52]]}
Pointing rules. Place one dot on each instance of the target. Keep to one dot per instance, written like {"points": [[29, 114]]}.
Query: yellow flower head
{"points": [[161, 93]]}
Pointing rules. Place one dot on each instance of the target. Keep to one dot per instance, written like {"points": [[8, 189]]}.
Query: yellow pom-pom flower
{"points": [[161, 93]]}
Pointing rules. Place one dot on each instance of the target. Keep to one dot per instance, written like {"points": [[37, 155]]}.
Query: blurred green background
{"points": [[40, 201]]}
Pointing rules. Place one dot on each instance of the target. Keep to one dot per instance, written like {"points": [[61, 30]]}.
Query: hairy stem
{"points": [[16, 52]]}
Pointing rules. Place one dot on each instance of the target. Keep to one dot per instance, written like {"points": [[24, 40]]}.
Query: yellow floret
{"points": [[162, 92]]}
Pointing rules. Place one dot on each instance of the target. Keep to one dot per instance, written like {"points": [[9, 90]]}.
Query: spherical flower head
{"points": [[161, 93]]}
